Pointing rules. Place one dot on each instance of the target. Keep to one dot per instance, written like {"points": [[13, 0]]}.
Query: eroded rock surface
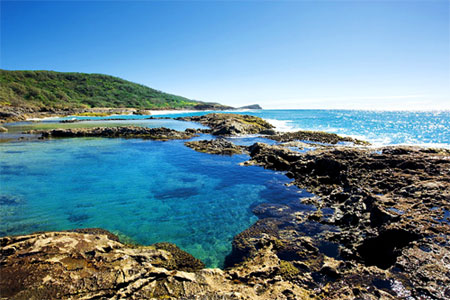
{"points": [[230, 124], [94, 265], [216, 146], [314, 136], [161, 133], [378, 225]]}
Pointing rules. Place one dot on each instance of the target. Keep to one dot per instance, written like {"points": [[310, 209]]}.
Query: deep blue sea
{"points": [[150, 191]]}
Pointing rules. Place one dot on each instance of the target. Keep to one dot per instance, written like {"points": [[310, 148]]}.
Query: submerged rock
{"points": [[230, 124], [162, 134], [216, 146]]}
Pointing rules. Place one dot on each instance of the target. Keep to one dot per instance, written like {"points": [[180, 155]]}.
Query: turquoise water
{"points": [[150, 191], [426, 128]]}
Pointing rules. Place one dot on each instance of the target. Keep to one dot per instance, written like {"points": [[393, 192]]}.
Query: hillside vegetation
{"points": [[80, 90]]}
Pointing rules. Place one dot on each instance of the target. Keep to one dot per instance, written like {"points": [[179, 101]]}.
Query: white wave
{"points": [[282, 125]]}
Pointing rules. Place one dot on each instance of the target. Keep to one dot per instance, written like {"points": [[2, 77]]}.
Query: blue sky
{"points": [[281, 54]]}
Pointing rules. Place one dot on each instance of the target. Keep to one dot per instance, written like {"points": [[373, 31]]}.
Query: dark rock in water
{"points": [[314, 136], [182, 192], [216, 146], [268, 132], [230, 124], [10, 200], [162, 134], [77, 218]]}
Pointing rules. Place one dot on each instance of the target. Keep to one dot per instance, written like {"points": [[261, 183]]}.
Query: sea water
{"points": [[150, 191], [422, 128], [144, 191]]}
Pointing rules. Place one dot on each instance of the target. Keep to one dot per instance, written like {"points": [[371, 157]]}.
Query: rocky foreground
{"points": [[92, 264]]}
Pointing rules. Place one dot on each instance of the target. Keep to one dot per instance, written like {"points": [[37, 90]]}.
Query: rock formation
{"points": [[216, 146], [230, 124], [92, 264], [162, 134], [377, 226]]}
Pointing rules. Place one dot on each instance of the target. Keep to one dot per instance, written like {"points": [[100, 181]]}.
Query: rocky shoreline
{"points": [[231, 124], [160, 134], [375, 226]]}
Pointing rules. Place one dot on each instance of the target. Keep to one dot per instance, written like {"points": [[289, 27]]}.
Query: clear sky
{"points": [[280, 54]]}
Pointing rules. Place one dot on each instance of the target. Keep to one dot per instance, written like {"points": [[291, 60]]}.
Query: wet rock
{"points": [[161, 134], [388, 218], [216, 146], [230, 124], [315, 136], [182, 260]]}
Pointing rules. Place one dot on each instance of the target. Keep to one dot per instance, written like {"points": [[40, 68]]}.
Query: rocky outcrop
{"points": [[216, 146], [230, 124], [252, 106], [314, 136], [161, 134], [378, 225], [94, 265]]}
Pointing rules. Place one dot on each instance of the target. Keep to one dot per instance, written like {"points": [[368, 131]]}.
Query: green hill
{"points": [[81, 90]]}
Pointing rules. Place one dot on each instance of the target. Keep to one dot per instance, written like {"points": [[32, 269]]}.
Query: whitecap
{"points": [[282, 125]]}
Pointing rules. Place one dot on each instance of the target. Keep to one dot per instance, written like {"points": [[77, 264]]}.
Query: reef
{"points": [[377, 226], [314, 136], [216, 146], [161, 134], [230, 124]]}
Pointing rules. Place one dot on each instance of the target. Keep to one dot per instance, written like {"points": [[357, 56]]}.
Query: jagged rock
{"points": [[161, 133], [230, 124], [216, 146], [314, 136], [389, 222], [91, 265]]}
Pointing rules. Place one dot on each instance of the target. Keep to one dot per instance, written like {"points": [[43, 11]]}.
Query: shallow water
{"points": [[149, 191]]}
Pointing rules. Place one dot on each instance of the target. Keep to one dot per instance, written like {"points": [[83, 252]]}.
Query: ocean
{"points": [[151, 191]]}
